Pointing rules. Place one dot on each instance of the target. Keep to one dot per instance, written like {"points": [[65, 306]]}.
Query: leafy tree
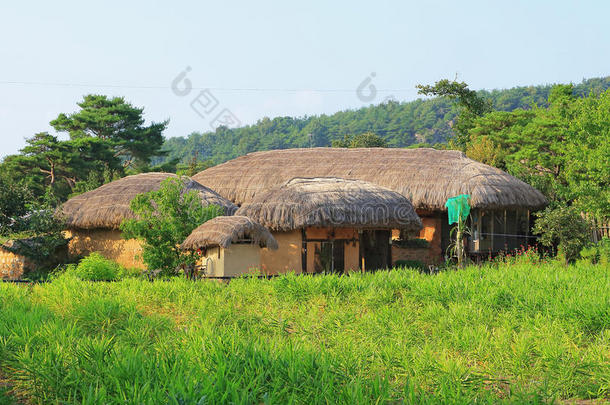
{"points": [[164, 218], [597, 253], [14, 198], [563, 228], [563, 149], [485, 151], [37, 231], [366, 140], [47, 154], [458, 91], [587, 155], [107, 138], [471, 105], [47, 162], [94, 180], [118, 122], [193, 167]]}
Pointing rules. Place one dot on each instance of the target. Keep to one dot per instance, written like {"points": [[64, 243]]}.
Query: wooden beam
{"points": [[505, 232]]}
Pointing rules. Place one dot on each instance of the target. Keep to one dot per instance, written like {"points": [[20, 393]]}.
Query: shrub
{"points": [[412, 243], [523, 255], [598, 253], [14, 199], [164, 218], [96, 267], [564, 228]]}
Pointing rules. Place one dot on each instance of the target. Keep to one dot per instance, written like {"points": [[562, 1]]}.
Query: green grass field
{"points": [[511, 333]]}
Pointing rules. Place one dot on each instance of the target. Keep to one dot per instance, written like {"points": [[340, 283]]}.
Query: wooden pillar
{"points": [[505, 237], [303, 251], [491, 229], [479, 226], [527, 229]]}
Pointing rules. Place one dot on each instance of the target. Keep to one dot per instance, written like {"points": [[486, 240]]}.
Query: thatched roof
{"points": [[222, 231], [107, 206], [304, 202], [427, 177]]}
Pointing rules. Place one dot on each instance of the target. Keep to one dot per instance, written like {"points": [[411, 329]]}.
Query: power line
{"points": [[228, 89]]}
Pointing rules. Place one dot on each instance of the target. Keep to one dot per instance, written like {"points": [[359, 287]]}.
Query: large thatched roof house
{"points": [[427, 177], [229, 246], [330, 224], [93, 218]]}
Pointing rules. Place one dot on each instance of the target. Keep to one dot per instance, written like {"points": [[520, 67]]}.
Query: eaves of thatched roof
{"points": [[427, 177], [223, 231], [332, 202], [107, 206]]}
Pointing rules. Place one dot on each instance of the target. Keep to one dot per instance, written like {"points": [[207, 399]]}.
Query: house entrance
{"points": [[375, 249], [329, 257]]}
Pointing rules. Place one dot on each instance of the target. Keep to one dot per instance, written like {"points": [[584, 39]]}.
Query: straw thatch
{"points": [[333, 202], [222, 231], [427, 177], [107, 206]]}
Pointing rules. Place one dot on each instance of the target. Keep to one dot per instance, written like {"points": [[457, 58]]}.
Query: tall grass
{"points": [[507, 333]]}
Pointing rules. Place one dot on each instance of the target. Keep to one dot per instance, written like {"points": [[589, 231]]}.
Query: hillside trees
{"points": [[366, 140], [401, 124]]}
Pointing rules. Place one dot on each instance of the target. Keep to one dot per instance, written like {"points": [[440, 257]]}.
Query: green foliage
{"points": [[193, 167], [38, 234], [107, 137], [598, 252], [47, 162], [366, 140], [529, 255], [94, 180], [117, 122], [96, 267], [563, 228], [164, 218], [410, 264], [401, 124], [484, 150], [562, 150], [458, 91], [412, 243], [470, 105], [495, 334], [14, 198]]}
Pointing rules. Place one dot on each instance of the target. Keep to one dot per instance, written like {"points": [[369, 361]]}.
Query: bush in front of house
{"points": [[597, 253], [417, 243], [164, 218], [96, 267], [563, 228], [412, 264]]}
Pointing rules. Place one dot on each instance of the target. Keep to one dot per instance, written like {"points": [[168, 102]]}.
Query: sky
{"points": [[255, 59]]}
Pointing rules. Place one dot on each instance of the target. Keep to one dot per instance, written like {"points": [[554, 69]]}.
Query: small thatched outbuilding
{"points": [[501, 203], [93, 218], [230, 246], [330, 224]]}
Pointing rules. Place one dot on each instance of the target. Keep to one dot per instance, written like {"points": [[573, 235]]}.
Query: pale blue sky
{"points": [[140, 46]]}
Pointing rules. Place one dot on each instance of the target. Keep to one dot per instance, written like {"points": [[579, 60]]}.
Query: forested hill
{"points": [[401, 124]]}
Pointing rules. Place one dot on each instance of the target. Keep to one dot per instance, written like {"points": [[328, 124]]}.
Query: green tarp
{"points": [[458, 207]]}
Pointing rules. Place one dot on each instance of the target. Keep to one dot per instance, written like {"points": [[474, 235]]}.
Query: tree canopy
{"points": [[563, 150], [107, 139], [119, 123], [401, 124]]}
